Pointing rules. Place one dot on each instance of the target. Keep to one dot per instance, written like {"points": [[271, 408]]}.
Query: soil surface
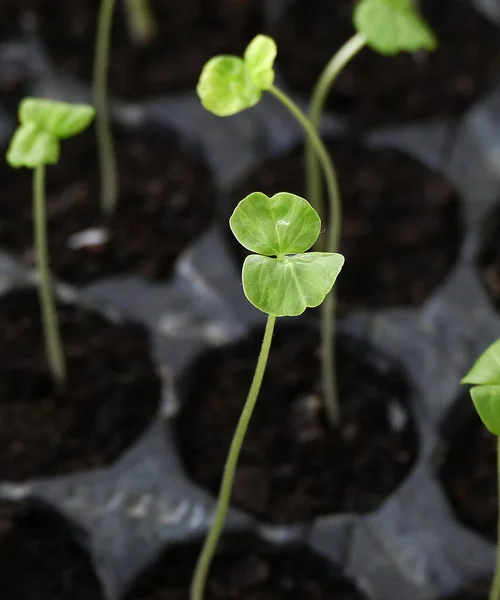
{"points": [[489, 256], [293, 466], [254, 575], [166, 200], [111, 392], [377, 89], [469, 473], [12, 13], [189, 33], [401, 227], [40, 561], [477, 591]]}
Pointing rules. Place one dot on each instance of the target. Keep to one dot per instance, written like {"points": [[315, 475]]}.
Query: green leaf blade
{"points": [[60, 119], [283, 224], [287, 287], [225, 86], [392, 26], [486, 369], [486, 400], [30, 147], [259, 59]]}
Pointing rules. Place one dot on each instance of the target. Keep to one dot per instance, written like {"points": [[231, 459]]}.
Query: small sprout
{"points": [[230, 84], [485, 377], [284, 227], [392, 26], [35, 144]]}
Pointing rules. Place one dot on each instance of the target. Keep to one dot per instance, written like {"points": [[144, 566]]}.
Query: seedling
{"points": [[281, 279], [386, 26], [229, 85], [485, 377], [142, 26], [35, 144]]}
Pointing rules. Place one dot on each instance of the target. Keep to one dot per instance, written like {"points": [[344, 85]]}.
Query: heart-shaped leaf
{"points": [[486, 399], [283, 224], [392, 26], [30, 147], [60, 119], [226, 87], [486, 369], [259, 59], [285, 287]]}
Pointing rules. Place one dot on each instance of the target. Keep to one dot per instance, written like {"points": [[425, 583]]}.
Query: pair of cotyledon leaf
{"points": [[43, 123], [282, 279], [230, 84]]}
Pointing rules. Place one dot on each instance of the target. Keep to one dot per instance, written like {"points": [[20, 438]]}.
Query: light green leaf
{"points": [[283, 224], [285, 287], [486, 399], [259, 58], [30, 147], [226, 87], [392, 26], [60, 119], [486, 369]]}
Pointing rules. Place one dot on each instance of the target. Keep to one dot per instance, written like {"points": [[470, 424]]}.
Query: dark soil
{"points": [[489, 257], [401, 228], [111, 393], [40, 561], [189, 33], [166, 200], [293, 467], [297, 575], [469, 474], [375, 89], [12, 13]]}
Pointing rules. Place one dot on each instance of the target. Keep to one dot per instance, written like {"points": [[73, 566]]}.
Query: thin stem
{"points": [[495, 586], [318, 99], [105, 148], [140, 20], [53, 345], [332, 244], [201, 573]]}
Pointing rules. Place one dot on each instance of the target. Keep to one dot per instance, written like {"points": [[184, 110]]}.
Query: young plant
{"points": [[229, 85], [386, 26], [485, 377], [142, 26], [35, 144], [281, 279]]}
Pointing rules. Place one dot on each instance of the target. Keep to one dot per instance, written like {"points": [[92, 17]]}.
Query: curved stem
{"points": [[495, 586], [53, 345], [105, 146], [327, 321], [208, 551], [318, 99], [140, 20]]}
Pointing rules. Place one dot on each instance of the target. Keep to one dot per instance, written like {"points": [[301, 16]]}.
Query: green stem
{"points": [[105, 148], [140, 20], [333, 238], [201, 573], [495, 586], [53, 345], [318, 99]]}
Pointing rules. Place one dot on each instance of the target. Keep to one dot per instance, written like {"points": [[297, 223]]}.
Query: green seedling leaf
{"points": [[486, 400], [259, 59], [486, 369], [32, 148], [230, 84], [60, 119], [392, 26], [285, 287], [226, 87], [283, 224]]}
